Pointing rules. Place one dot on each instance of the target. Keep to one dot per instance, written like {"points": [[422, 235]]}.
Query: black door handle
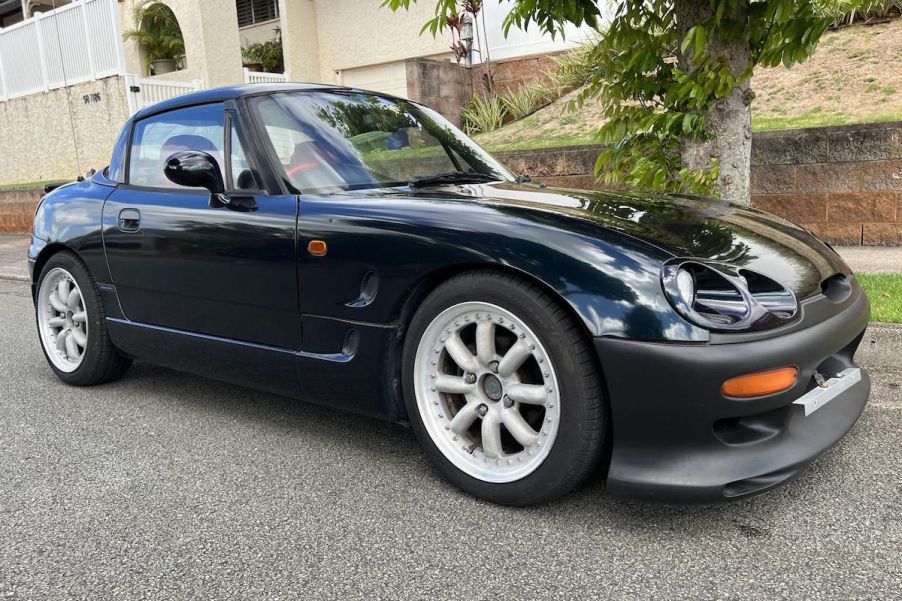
{"points": [[129, 220]]}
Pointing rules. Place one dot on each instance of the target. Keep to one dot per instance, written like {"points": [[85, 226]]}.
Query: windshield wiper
{"points": [[452, 177]]}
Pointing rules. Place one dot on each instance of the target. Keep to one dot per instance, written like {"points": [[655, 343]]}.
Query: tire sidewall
{"points": [[545, 482], [95, 317]]}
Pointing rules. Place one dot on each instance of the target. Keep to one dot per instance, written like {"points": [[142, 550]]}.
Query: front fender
{"points": [[610, 280]]}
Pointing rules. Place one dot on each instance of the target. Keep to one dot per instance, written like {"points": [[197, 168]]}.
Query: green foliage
{"points": [[483, 114], [525, 100], [573, 69], [267, 54], [549, 15], [662, 65], [158, 33], [844, 12], [658, 79]]}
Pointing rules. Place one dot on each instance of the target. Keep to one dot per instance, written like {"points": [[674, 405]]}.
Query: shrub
{"points": [[266, 54], [525, 100], [483, 114], [574, 68], [846, 12]]}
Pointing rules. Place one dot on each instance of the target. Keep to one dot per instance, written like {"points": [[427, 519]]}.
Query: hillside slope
{"points": [[854, 76]]}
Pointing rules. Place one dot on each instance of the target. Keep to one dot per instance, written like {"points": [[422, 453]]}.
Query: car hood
{"points": [[682, 226]]}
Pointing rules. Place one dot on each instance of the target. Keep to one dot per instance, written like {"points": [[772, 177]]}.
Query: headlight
{"points": [[686, 286], [720, 297]]}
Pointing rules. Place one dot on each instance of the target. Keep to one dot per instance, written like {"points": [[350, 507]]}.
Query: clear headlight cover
{"points": [[720, 297]]}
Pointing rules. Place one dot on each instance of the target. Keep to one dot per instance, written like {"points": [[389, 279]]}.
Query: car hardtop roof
{"points": [[232, 92]]}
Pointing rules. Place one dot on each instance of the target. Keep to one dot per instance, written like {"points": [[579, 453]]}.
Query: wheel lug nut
{"points": [[482, 410], [470, 378], [508, 402], [494, 367]]}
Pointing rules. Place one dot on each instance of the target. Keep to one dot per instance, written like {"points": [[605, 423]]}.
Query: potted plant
{"points": [[158, 35], [265, 56]]}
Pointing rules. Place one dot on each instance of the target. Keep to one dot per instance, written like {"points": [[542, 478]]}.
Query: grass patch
{"points": [[885, 294], [545, 142], [817, 119], [29, 185]]}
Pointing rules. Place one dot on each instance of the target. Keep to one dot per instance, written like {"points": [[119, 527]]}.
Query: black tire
{"points": [[582, 433], [101, 362]]}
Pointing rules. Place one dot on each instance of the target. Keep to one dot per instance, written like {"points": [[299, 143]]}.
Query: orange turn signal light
{"points": [[317, 248], [760, 383]]}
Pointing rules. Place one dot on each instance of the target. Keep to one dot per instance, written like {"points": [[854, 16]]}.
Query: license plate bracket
{"points": [[832, 388]]}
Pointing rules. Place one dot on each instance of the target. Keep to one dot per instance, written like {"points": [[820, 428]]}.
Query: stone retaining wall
{"points": [[17, 209], [61, 133], [440, 84], [844, 183]]}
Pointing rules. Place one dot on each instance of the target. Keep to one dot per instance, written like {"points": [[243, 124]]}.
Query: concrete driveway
{"points": [[167, 486]]}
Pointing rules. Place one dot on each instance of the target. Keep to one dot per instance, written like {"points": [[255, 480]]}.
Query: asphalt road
{"points": [[167, 486]]}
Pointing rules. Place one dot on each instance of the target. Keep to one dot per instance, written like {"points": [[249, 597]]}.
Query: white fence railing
{"points": [[261, 77], [145, 91], [73, 44]]}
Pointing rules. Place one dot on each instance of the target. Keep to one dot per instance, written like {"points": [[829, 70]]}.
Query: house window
{"points": [[256, 11]]}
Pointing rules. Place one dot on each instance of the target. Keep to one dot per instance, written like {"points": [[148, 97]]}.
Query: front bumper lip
{"points": [[666, 402]]}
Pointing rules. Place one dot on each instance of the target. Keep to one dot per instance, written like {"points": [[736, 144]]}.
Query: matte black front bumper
{"points": [[677, 439]]}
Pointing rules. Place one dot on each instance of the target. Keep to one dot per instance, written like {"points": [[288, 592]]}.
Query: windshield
{"points": [[337, 140]]}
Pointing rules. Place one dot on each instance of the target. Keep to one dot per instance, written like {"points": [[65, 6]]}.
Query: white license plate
{"points": [[829, 390]]}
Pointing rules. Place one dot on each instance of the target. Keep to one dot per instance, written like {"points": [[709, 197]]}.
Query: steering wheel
{"points": [[302, 166]]}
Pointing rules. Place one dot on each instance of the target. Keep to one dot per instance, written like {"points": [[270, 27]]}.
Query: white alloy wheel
{"points": [[62, 320], [487, 392]]}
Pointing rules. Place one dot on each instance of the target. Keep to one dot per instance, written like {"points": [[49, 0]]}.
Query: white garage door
{"points": [[390, 78]]}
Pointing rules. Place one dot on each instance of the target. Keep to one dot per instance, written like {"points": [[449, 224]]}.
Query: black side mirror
{"points": [[196, 169]]}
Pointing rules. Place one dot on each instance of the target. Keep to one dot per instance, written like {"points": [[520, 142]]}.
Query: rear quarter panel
{"points": [[70, 217]]}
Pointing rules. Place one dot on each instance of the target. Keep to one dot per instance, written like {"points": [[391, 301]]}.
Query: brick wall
{"points": [[844, 183], [17, 209], [439, 84], [514, 72]]}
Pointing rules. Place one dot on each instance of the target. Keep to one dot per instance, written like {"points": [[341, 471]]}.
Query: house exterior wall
{"points": [[212, 42], [36, 132], [352, 36], [300, 40]]}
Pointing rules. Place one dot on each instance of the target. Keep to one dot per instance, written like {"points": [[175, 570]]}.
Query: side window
{"points": [[243, 176], [117, 162], [158, 137]]}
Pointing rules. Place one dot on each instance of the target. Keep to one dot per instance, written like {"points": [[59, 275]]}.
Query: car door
{"points": [[179, 261]]}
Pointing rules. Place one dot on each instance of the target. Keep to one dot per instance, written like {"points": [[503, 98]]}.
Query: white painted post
{"points": [[133, 104], [84, 23], [247, 75], [42, 56], [198, 84], [3, 95], [119, 43]]}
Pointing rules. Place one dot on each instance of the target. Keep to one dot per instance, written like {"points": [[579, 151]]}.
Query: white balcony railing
{"points": [[73, 44], [145, 91], [261, 77]]}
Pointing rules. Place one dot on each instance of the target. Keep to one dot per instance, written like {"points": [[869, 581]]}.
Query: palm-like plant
{"points": [[158, 32]]}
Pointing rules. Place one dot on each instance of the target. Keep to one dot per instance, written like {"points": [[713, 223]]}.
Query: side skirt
{"points": [[359, 381]]}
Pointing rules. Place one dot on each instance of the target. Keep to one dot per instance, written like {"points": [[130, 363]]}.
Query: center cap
{"points": [[492, 387]]}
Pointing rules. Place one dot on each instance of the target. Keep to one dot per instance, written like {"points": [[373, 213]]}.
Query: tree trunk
{"points": [[729, 120]]}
